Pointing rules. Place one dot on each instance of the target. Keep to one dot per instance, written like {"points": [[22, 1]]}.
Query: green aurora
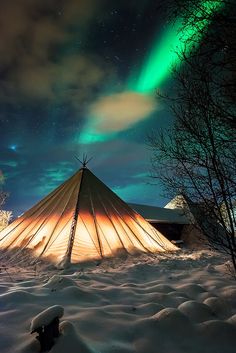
{"points": [[164, 53]]}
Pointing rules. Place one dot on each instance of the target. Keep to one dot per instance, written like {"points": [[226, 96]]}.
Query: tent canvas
{"points": [[81, 220]]}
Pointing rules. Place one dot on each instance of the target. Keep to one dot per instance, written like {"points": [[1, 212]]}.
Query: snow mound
{"points": [[57, 282], [162, 288], [16, 296], [69, 341], [79, 293], [196, 312], [46, 317], [171, 318], [232, 320], [192, 290], [217, 336], [229, 293], [219, 306]]}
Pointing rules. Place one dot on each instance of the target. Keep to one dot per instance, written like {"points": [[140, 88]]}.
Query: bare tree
{"points": [[3, 194], [5, 217], [3, 197], [198, 155]]}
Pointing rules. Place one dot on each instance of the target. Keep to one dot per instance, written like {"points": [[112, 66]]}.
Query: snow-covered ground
{"points": [[181, 303]]}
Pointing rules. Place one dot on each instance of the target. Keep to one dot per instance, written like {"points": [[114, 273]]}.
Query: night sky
{"points": [[80, 76]]}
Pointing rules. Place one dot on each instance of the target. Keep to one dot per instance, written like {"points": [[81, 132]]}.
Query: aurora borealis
{"points": [[80, 77], [166, 49], [163, 54]]}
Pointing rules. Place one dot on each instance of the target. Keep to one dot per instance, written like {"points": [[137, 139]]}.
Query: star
{"points": [[13, 147]]}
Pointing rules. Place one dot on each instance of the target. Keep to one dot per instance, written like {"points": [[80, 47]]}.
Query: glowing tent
{"points": [[80, 220]]}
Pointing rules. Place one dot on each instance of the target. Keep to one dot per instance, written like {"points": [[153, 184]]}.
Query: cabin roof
{"points": [[160, 215]]}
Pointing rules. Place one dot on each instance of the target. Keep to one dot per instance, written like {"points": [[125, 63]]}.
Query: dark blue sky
{"points": [[64, 68]]}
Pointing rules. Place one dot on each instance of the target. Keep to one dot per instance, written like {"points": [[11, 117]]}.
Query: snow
{"points": [[165, 303], [46, 317], [70, 341]]}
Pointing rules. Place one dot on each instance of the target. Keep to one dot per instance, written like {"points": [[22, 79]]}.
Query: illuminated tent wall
{"points": [[80, 220]]}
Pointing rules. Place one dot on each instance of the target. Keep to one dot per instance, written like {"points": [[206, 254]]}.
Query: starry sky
{"points": [[80, 76]]}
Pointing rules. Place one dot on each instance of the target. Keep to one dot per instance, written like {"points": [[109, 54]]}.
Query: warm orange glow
{"points": [[105, 225]]}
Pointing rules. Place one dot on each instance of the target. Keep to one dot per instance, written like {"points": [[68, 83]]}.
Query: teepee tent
{"points": [[81, 220]]}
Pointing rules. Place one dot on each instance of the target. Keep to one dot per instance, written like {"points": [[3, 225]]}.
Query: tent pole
{"points": [[73, 226]]}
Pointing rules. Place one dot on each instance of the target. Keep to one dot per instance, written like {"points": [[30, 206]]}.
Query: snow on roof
{"points": [[159, 214]]}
